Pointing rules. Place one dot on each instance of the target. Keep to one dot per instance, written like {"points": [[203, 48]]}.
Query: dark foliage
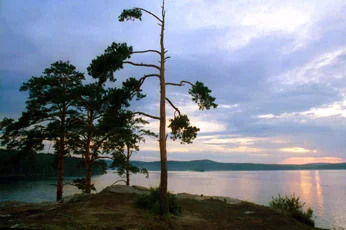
{"points": [[130, 14], [181, 129], [292, 206], [103, 66], [151, 203], [201, 95]]}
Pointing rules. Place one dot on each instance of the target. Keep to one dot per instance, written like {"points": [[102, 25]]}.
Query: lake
{"points": [[322, 190]]}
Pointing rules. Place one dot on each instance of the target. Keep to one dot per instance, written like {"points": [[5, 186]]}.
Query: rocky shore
{"points": [[114, 208]]}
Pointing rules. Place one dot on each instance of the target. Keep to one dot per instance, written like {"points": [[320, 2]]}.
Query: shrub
{"points": [[151, 201], [292, 206], [80, 184]]}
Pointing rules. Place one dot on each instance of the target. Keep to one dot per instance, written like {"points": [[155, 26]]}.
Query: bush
{"points": [[151, 202], [293, 207]]}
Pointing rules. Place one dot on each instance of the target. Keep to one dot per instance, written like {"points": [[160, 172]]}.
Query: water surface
{"points": [[322, 190]]}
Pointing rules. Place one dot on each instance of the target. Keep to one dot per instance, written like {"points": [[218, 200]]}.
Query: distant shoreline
{"points": [[208, 165]]}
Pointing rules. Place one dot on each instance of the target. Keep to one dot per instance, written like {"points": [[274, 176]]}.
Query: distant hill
{"points": [[208, 165], [41, 165]]}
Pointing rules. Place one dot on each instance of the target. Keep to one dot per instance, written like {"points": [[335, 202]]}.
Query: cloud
{"points": [[222, 106], [242, 24], [298, 150], [335, 109], [266, 116], [325, 69]]}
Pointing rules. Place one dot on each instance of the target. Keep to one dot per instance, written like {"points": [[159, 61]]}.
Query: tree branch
{"points": [[146, 51], [141, 81], [147, 115], [98, 145], [119, 181], [149, 75], [141, 64], [148, 12], [174, 107], [179, 84]]}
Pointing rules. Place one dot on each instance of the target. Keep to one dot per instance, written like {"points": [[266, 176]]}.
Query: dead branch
{"points": [[146, 51], [141, 64], [147, 115], [174, 107], [179, 84], [148, 12]]}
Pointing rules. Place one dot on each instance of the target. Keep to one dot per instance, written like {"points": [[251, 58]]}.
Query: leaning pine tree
{"points": [[117, 55]]}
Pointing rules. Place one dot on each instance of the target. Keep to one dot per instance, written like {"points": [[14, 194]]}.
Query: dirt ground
{"points": [[108, 210]]}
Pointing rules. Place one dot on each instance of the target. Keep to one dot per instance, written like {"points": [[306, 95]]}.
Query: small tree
{"points": [[117, 55], [124, 167], [121, 159]]}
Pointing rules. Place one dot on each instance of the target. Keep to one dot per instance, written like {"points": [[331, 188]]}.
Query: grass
{"points": [[108, 210]]}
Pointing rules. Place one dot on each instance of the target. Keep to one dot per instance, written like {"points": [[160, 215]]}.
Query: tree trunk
{"points": [[88, 172], [128, 166], [162, 135], [87, 165], [87, 162], [61, 153]]}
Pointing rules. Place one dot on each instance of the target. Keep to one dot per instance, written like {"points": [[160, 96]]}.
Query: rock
{"points": [[227, 200], [15, 226], [141, 188], [248, 212], [126, 189], [6, 215], [76, 197]]}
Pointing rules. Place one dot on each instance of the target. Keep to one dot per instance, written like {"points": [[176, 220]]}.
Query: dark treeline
{"points": [[42, 165], [208, 165]]}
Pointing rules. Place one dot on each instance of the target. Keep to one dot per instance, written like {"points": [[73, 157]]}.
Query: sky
{"points": [[276, 68]]}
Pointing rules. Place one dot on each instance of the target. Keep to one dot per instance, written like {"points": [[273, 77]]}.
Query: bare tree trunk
{"points": [[61, 153], [162, 135], [128, 166]]}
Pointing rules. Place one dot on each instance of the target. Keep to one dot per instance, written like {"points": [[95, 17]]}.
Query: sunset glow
{"points": [[311, 160]]}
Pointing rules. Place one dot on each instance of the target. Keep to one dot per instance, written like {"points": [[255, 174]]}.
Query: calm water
{"points": [[323, 191]]}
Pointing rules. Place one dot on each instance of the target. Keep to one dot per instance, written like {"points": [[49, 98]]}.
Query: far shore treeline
{"points": [[208, 165], [43, 165], [39, 165]]}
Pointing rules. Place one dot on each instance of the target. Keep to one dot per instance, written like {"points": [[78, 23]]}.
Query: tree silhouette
{"points": [[51, 98], [100, 124]]}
